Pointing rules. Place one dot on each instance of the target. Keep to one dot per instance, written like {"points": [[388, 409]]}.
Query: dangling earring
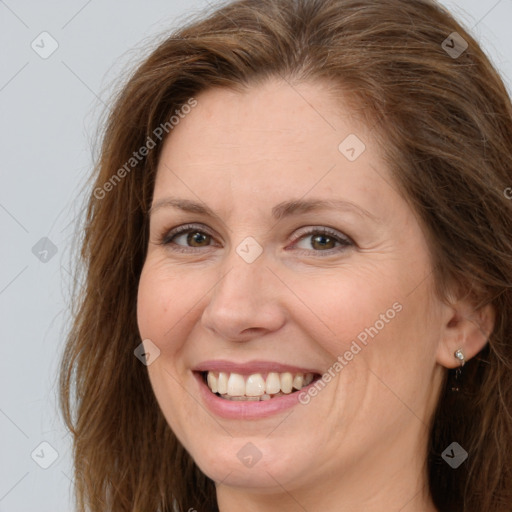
{"points": [[460, 356]]}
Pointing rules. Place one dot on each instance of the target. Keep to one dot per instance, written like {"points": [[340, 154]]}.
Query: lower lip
{"points": [[250, 410]]}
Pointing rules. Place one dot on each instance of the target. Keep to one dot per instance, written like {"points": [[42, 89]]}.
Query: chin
{"points": [[264, 465]]}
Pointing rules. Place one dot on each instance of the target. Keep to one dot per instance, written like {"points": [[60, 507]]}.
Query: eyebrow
{"points": [[280, 211]]}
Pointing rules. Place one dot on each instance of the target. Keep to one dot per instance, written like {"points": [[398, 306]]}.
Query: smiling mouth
{"points": [[256, 386]]}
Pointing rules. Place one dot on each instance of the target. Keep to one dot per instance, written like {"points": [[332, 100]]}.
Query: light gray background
{"points": [[49, 113]]}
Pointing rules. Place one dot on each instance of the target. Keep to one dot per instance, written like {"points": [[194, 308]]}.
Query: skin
{"points": [[360, 444]]}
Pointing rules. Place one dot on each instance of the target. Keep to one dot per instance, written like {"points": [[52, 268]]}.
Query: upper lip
{"points": [[250, 367]]}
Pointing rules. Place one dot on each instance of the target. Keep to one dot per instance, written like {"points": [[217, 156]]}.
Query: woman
{"points": [[298, 272]]}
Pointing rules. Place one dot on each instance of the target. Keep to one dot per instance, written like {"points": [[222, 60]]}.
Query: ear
{"points": [[466, 329]]}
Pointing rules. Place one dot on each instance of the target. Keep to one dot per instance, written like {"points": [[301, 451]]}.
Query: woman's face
{"points": [[299, 259]]}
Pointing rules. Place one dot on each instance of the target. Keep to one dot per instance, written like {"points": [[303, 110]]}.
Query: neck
{"points": [[416, 499], [380, 482]]}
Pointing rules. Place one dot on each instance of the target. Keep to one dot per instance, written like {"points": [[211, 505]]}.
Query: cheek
{"points": [[368, 320], [162, 308], [163, 302], [341, 306], [151, 307]]}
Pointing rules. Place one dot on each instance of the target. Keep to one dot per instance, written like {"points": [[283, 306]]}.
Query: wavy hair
{"points": [[445, 125]]}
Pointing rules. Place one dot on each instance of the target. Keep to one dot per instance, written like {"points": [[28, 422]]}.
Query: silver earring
{"points": [[460, 356]]}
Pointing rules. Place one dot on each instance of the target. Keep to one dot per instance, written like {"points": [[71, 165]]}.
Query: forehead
{"points": [[272, 142]]}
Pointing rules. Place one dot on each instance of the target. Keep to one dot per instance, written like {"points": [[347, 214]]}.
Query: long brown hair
{"points": [[444, 118]]}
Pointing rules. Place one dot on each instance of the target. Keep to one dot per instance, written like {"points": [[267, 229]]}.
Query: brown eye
{"points": [[322, 240], [198, 239], [186, 237]]}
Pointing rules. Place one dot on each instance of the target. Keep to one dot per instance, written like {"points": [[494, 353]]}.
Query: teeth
{"points": [[273, 383], [286, 382], [222, 383], [242, 398], [235, 386], [298, 381], [212, 382], [255, 385]]}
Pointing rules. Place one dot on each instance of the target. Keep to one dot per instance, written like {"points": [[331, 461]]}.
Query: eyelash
{"points": [[167, 237]]}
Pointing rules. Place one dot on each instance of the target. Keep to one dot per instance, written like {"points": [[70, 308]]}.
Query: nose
{"points": [[246, 302]]}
